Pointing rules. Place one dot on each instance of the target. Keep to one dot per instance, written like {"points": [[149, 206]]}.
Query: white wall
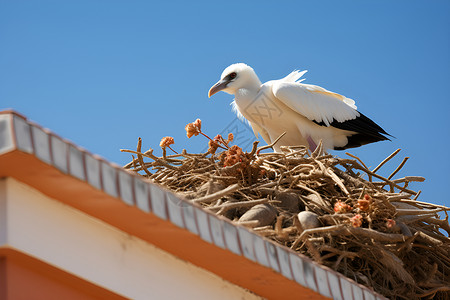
{"points": [[93, 250]]}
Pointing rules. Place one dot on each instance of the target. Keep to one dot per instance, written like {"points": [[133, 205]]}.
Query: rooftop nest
{"points": [[372, 230]]}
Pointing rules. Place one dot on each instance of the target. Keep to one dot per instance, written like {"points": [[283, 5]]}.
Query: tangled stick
{"points": [[383, 238]]}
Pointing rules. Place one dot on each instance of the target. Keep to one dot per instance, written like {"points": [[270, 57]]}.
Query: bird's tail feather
{"points": [[295, 76]]}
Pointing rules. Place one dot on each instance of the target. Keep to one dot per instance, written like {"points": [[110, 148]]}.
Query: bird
{"points": [[307, 114]]}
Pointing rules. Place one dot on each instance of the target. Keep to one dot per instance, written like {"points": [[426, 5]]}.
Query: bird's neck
{"points": [[249, 91]]}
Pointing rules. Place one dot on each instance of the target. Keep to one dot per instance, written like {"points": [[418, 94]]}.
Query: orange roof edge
{"points": [[21, 270], [147, 211]]}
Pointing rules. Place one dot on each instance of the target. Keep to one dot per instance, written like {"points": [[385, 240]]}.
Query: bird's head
{"points": [[235, 77]]}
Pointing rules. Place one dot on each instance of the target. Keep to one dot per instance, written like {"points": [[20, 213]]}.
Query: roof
{"points": [[66, 172]]}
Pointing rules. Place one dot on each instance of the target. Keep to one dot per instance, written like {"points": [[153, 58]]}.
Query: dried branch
{"points": [[386, 160], [374, 232], [217, 195], [271, 145], [398, 168]]}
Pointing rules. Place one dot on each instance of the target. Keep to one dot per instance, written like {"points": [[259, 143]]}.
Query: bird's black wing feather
{"points": [[367, 131]]}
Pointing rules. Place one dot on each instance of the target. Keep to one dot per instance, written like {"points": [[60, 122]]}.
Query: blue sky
{"points": [[103, 73]]}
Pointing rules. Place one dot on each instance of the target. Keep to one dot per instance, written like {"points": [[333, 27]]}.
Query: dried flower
{"points": [[213, 145], [193, 128], [363, 204], [166, 142], [230, 138], [340, 207], [356, 220], [233, 156], [220, 140], [390, 223], [198, 123]]}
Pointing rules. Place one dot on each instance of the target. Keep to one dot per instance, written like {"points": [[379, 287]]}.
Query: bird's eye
{"points": [[233, 75]]}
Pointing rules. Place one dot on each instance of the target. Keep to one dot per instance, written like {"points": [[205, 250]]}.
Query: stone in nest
{"points": [[265, 214]]}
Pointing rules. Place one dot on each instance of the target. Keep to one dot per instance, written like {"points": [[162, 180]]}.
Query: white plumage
{"points": [[307, 113]]}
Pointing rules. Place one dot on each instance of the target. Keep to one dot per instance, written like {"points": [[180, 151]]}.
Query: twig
{"points": [[398, 168], [213, 141], [330, 173], [217, 195], [433, 292], [225, 207], [254, 148], [376, 235], [417, 195], [139, 156], [409, 179], [271, 145], [318, 151], [357, 166], [386, 160], [128, 165], [412, 201], [402, 212], [324, 205], [251, 223], [362, 163], [149, 154], [336, 229]]}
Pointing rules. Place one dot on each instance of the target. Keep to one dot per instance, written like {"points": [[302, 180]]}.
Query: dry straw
{"points": [[373, 231]]}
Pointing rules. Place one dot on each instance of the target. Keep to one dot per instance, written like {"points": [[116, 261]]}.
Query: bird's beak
{"points": [[220, 85]]}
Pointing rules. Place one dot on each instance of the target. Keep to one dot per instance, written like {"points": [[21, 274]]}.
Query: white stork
{"points": [[307, 113]]}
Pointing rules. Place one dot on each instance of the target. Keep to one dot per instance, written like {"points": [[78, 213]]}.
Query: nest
{"points": [[372, 230]]}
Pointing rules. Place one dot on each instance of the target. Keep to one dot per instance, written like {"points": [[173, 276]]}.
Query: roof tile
{"points": [[203, 225], [22, 134], [76, 163], [260, 251], [246, 240], [346, 288], [109, 179], [357, 292], [59, 150], [297, 269], [174, 207], [158, 201], [126, 187], [272, 255], [93, 171], [368, 295], [141, 194], [41, 144], [335, 286], [190, 219], [231, 238], [217, 231], [322, 281], [6, 137], [285, 264]]}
